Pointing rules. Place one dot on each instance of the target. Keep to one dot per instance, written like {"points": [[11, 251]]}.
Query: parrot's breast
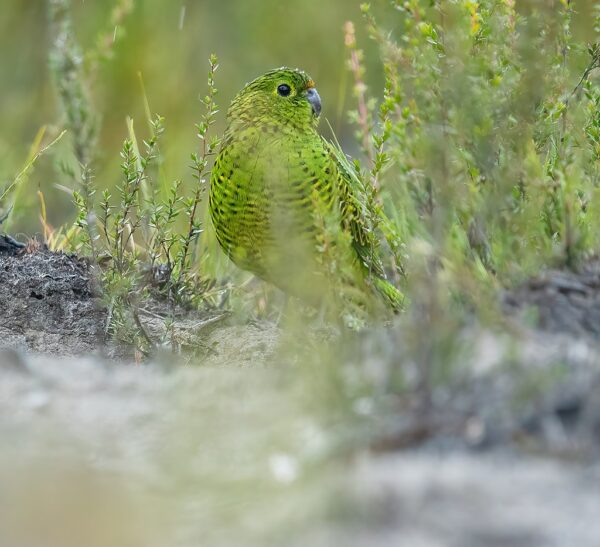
{"points": [[266, 187]]}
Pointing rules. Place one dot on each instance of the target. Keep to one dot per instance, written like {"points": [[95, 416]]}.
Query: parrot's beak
{"points": [[314, 100]]}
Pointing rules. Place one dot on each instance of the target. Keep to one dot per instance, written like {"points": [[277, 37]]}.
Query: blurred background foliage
{"points": [[168, 43]]}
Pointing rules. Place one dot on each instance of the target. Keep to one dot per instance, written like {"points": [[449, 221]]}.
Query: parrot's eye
{"points": [[284, 90]]}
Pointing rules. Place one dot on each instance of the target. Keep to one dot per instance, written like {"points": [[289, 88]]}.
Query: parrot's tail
{"points": [[392, 296]]}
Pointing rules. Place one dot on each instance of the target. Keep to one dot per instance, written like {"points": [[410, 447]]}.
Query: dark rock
{"points": [[565, 301]]}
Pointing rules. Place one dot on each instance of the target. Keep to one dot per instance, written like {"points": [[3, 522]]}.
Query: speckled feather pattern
{"points": [[272, 166]]}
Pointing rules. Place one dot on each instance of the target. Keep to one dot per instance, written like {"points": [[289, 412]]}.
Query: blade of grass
{"points": [[34, 153], [32, 158]]}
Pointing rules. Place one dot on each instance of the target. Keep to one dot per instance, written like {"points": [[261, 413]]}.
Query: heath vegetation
{"points": [[472, 129]]}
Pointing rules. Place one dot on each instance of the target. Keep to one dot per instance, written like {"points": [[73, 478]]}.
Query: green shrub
{"points": [[479, 159]]}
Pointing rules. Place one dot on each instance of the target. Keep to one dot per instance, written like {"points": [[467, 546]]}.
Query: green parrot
{"points": [[284, 205]]}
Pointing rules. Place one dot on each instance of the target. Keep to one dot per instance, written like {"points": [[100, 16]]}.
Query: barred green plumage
{"points": [[281, 201]]}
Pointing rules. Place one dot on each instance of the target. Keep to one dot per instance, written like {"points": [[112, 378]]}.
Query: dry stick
{"points": [[594, 64], [138, 322]]}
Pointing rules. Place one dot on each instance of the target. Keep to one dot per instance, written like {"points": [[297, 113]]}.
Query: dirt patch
{"points": [[208, 336], [50, 304]]}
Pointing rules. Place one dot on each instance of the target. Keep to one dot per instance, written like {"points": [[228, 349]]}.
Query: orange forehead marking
{"points": [[310, 84]]}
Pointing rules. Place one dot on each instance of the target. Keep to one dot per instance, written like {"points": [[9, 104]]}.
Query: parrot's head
{"points": [[283, 96]]}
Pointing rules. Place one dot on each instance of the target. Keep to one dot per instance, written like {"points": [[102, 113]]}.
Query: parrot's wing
{"points": [[355, 211]]}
